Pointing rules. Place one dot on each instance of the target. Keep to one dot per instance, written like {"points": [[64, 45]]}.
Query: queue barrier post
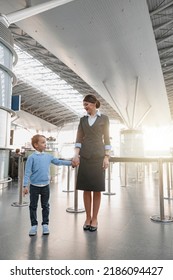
{"points": [[168, 177], [125, 174], [171, 175], [68, 180], [75, 209], [20, 203], [109, 181], [162, 218]]}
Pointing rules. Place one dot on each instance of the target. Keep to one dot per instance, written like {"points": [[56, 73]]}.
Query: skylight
{"points": [[33, 72]]}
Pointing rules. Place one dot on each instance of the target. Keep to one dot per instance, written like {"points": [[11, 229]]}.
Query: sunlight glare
{"points": [[158, 138]]}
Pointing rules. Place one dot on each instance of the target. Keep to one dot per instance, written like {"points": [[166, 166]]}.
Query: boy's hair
{"points": [[35, 139]]}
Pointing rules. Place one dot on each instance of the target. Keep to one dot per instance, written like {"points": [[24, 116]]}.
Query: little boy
{"points": [[37, 171]]}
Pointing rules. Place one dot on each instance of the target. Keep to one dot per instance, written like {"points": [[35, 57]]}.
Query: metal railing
{"points": [[160, 161]]}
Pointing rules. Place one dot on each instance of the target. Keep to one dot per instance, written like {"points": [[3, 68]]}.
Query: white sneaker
{"points": [[33, 230], [45, 229]]}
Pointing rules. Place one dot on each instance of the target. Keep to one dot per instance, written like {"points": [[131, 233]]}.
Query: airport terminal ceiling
{"points": [[120, 51]]}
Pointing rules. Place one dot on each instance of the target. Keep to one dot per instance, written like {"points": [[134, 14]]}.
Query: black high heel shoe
{"points": [[93, 228], [86, 227]]}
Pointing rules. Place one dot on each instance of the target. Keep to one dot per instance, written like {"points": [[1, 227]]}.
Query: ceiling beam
{"points": [[159, 9], [34, 10]]}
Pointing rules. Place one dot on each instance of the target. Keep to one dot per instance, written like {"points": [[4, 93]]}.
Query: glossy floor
{"points": [[125, 230]]}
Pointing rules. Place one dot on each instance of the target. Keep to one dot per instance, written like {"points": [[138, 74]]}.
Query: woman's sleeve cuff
{"points": [[108, 147], [78, 145]]}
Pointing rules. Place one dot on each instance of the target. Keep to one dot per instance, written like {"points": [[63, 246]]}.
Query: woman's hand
{"points": [[75, 161], [105, 162]]}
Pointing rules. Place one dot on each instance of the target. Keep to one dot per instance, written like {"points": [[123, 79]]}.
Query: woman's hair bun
{"points": [[92, 99]]}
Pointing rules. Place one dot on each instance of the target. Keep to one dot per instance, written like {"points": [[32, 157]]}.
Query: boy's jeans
{"points": [[44, 192]]}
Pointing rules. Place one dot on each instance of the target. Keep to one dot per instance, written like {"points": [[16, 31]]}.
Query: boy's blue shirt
{"points": [[37, 168]]}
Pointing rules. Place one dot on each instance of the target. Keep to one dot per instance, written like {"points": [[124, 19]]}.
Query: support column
{"points": [[8, 58]]}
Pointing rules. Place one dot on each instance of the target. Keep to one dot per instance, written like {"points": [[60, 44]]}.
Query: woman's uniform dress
{"points": [[93, 141]]}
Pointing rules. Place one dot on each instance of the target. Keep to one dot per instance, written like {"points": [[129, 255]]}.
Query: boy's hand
{"points": [[25, 190]]}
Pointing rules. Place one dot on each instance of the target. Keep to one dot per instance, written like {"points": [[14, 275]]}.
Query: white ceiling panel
{"points": [[111, 46]]}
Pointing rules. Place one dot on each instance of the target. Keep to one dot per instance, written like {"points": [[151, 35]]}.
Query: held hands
{"points": [[75, 161]]}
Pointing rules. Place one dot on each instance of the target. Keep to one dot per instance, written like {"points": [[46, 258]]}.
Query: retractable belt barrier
{"points": [[160, 161], [20, 203]]}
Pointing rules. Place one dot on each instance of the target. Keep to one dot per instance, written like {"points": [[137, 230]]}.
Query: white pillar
{"points": [[7, 79]]}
